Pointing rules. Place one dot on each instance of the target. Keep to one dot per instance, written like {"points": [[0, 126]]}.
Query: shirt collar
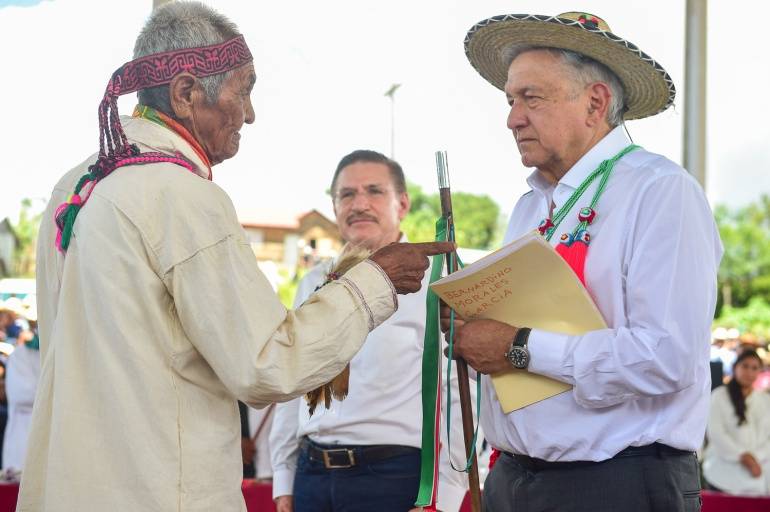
{"points": [[161, 139], [402, 239], [610, 145]]}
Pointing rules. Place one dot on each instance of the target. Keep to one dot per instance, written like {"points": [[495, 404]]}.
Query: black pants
{"points": [[661, 482]]}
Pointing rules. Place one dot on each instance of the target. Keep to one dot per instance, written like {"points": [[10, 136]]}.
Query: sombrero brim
{"points": [[648, 87]]}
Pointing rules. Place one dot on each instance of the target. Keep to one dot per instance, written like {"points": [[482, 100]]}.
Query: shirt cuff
{"points": [[546, 354], [387, 278], [283, 483], [450, 497], [371, 286]]}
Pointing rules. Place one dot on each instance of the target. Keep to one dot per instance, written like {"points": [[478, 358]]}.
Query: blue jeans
{"points": [[388, 485]]}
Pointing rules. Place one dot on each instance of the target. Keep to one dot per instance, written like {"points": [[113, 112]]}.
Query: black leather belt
{"points": [[654, 449], [341, 457]]}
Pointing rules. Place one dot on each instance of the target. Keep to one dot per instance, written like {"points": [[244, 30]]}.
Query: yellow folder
{"points": [[524, 284]]}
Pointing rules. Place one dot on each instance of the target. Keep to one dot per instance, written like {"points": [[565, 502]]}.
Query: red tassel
{"points": [[575, 256], [493, 458]]}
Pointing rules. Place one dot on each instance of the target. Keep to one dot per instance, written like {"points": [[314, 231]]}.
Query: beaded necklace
{"points": [[573, 247], [158, 117]]}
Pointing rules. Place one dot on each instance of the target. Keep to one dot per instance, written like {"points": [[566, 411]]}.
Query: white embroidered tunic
{"points": [[152, 325]]}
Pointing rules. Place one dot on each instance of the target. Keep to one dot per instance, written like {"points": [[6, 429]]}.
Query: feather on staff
{"points": [[338, 387]]}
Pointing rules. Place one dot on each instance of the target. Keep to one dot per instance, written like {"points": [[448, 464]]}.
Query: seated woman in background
{"points": [[737, 458]]}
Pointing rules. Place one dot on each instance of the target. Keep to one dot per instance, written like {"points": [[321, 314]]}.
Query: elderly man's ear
{"points": [[184, 91], [599, 97]]}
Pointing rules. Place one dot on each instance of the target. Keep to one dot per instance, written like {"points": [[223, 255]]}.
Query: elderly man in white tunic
{"points": [[154, 317]]}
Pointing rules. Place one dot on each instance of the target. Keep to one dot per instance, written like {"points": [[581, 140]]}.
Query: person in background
{"points": [[737, 456], [255, 446], [3, 409], [23, 372], [363, 453]]}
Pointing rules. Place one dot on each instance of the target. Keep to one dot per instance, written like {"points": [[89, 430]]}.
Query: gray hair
{"points": [[585, 70], [179, 25]]}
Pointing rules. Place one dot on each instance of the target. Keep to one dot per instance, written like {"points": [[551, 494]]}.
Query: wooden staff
{"points": [[462, 367]]}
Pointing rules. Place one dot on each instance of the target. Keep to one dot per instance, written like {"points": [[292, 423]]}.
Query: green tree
{"points": [[476, 218], [745, 269], [26, 231], [753, 318]]}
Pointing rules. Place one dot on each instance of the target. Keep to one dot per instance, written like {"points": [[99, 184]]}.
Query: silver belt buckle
{"points": [[328, 464]]}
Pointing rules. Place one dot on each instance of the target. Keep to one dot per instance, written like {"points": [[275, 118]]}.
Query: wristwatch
{"points": [[518, 355]]}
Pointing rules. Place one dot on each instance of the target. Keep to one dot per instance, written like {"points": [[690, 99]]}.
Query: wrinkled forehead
{"points": [[537, 68], [244, 75]]}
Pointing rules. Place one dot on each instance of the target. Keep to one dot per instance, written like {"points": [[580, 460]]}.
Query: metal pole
{"points": [[694, 147], [391, 93], [393, 127], [463, 384]]}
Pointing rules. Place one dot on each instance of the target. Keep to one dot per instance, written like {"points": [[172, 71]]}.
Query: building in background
{"points": [[291, 240]]}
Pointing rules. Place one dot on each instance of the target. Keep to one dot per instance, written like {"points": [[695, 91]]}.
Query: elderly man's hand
{"points": [[483, 344], [405, 264]]}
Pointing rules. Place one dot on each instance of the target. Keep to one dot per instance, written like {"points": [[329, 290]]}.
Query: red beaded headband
{"points": [[160, 68]]}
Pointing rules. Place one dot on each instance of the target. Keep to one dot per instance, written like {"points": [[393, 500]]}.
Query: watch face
{"points": [[519, 357]]}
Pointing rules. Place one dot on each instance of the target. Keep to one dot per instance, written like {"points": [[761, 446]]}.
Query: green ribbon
{"points": [[431, 382], [450, 352]]}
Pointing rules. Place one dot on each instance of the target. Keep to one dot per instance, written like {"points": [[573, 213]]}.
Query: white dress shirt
{"points": [[727, 441], [651, 269], [384, 404]]}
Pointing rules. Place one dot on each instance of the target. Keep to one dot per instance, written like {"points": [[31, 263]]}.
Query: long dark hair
{"points": [[734, 389]]}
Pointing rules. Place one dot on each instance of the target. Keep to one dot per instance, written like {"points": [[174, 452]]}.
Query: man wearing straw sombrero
{"points": [[637, 230]]}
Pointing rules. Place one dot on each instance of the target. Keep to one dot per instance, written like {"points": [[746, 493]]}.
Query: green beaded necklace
{"points": [[573, 246], [549, 225]]}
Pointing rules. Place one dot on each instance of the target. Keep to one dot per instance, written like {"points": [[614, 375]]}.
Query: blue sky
{"points": [[19, 3]]}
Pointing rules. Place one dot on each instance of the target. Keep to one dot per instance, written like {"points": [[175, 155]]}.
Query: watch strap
{"points": [[522, 337]]}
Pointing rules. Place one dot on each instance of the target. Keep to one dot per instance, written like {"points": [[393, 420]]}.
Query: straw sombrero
{"points": [[649, 89]]}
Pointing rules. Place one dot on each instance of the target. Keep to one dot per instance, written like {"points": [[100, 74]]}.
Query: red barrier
{"points": [[718, 502], [712, 502], [9, 493], [258, 497]]}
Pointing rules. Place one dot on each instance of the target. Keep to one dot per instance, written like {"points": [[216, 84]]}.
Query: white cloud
{"points": [[323, 68]]}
